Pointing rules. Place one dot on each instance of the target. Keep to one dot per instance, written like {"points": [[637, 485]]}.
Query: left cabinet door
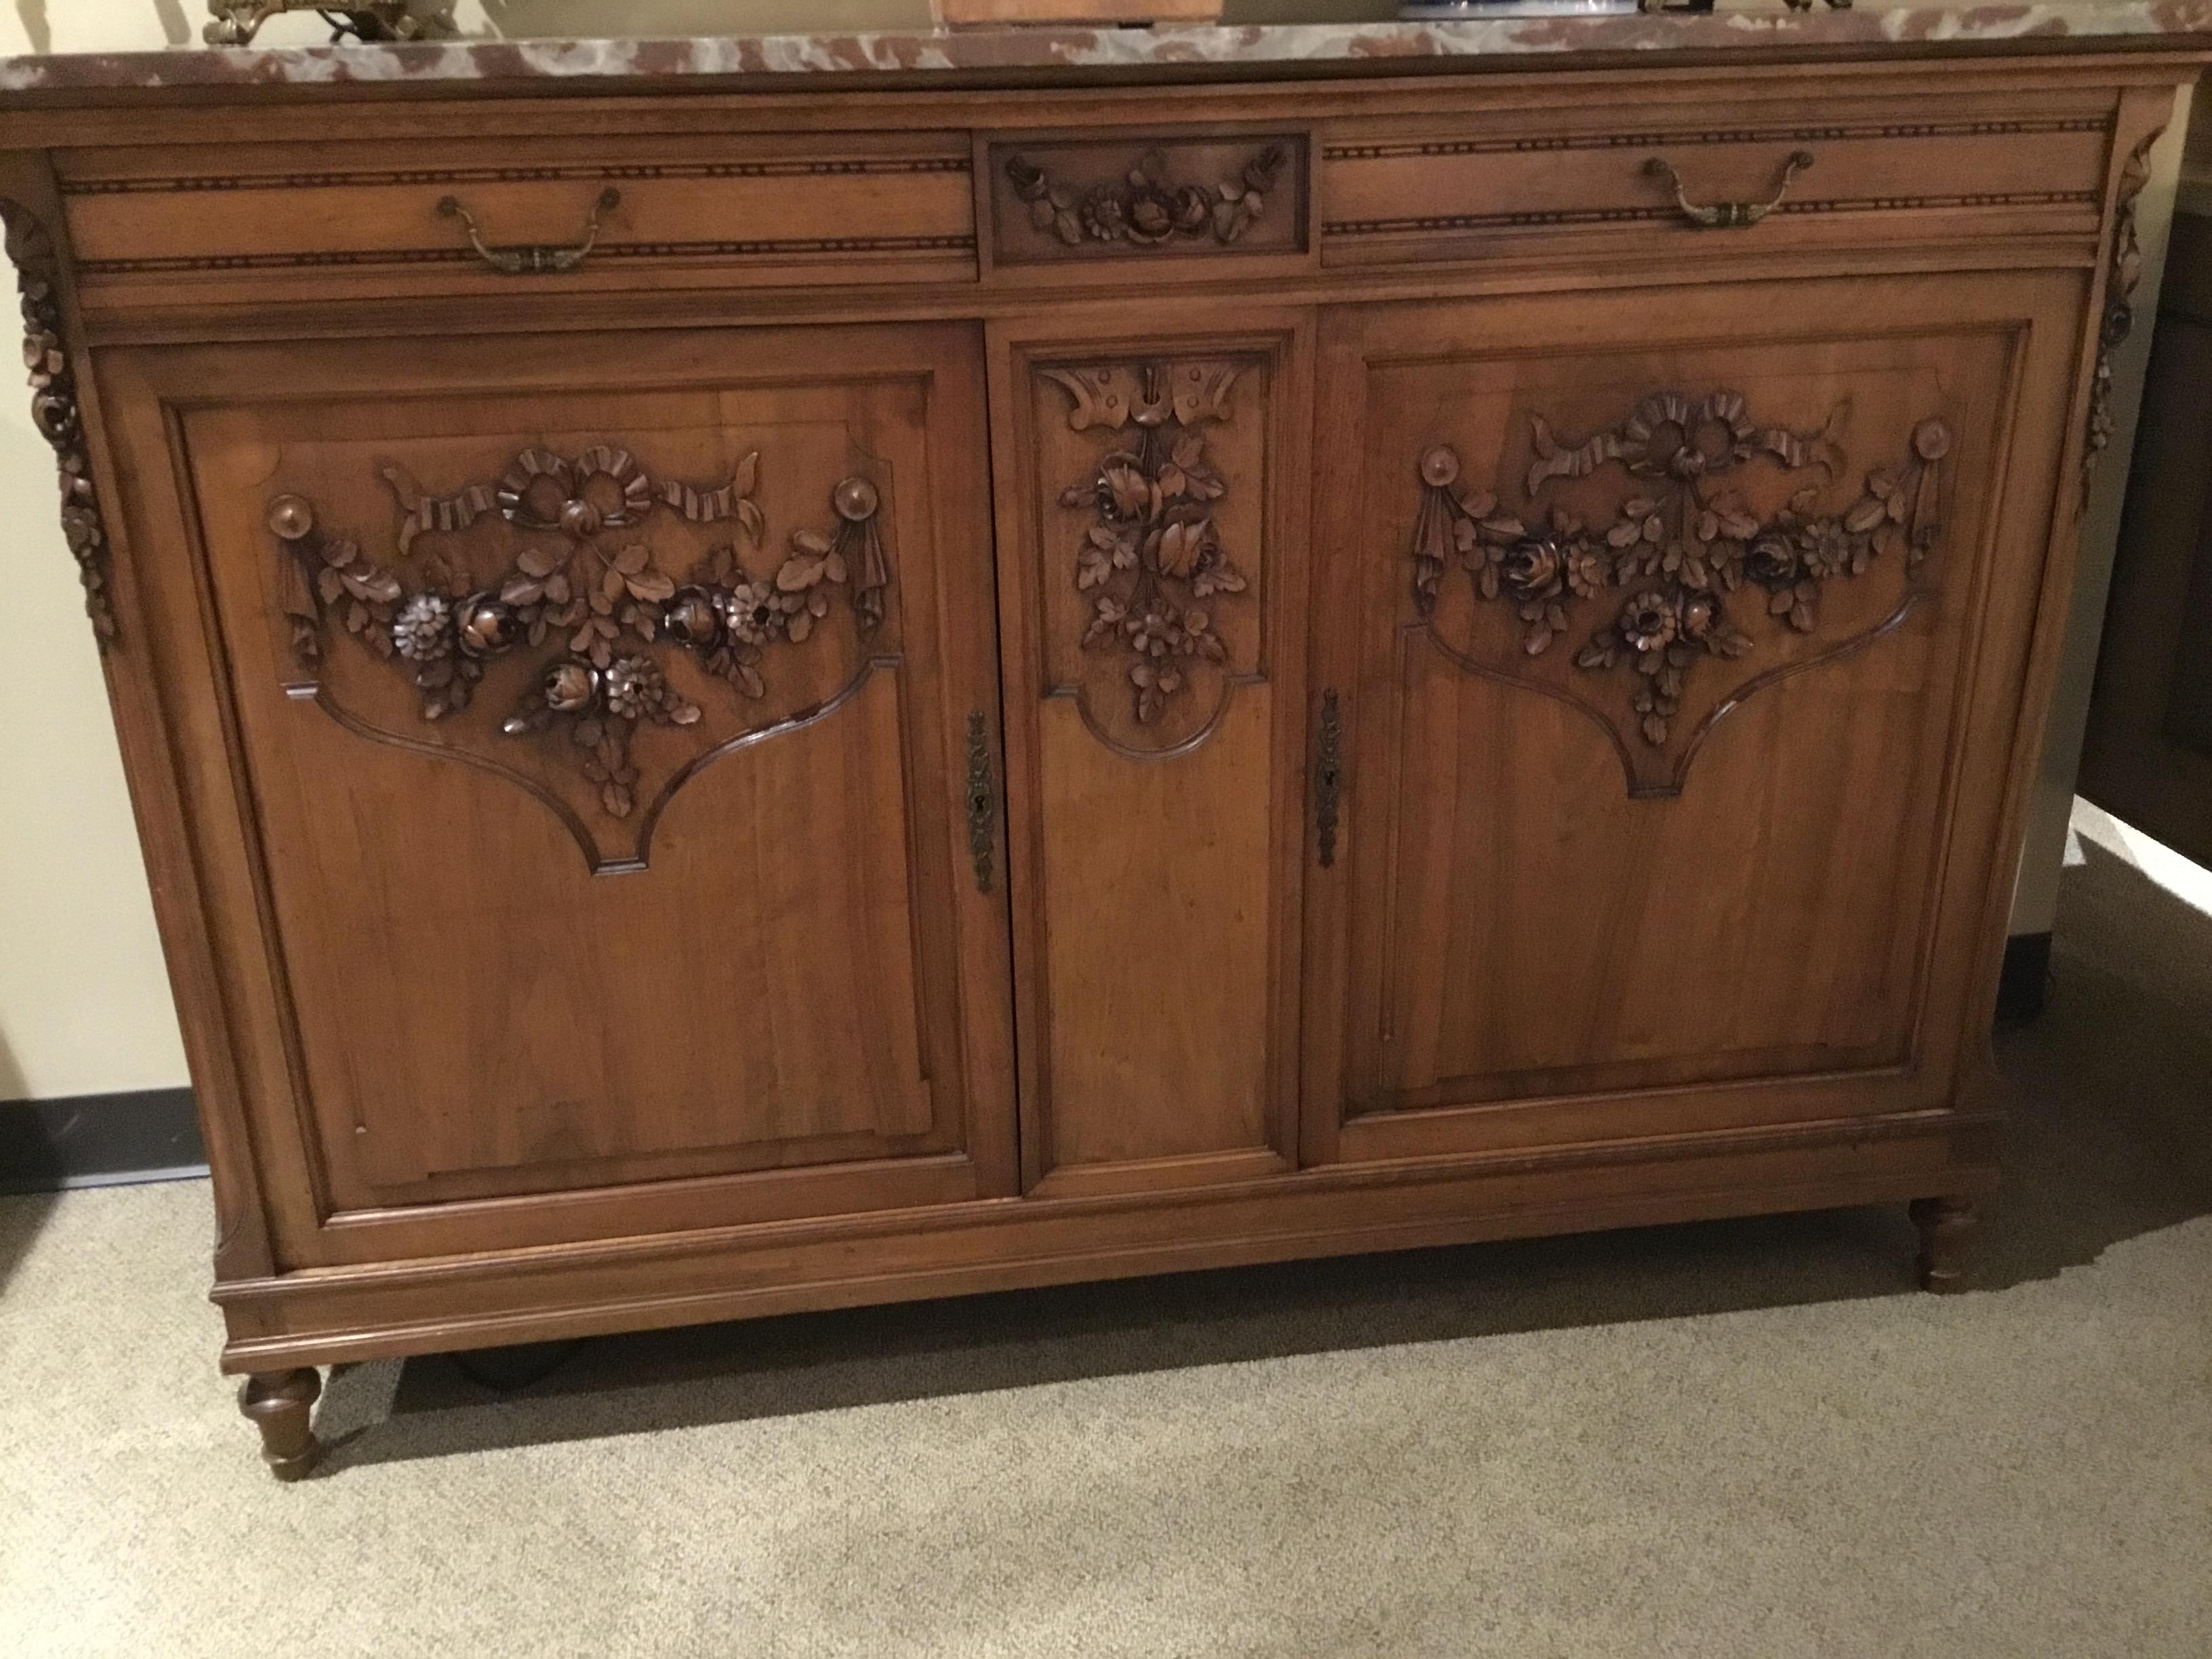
{"points": [[585, 735]]}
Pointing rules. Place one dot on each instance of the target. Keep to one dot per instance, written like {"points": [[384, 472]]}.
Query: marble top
{"points": [[982, 55]]}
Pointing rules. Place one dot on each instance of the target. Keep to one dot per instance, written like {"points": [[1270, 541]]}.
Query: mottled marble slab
{"points": [[981, 54]]}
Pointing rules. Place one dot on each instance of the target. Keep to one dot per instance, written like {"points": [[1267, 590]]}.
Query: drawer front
{"points": [[760, 211], [1870, 170], [1059, 205]]}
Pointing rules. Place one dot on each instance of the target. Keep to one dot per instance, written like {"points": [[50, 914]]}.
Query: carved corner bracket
{"points": [[1146, 208], [54, 408], [2123, 271], [1678, 549], [1151, 558], [585, 594]]}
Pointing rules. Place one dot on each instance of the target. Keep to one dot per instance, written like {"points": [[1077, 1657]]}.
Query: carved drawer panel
{"points": [[761, 211], [1063, 202], [1655, 178]]}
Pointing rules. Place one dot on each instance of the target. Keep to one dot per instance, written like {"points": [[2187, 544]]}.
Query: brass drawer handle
{"points": [[982, 802], [1730, 216], [528, 258]]}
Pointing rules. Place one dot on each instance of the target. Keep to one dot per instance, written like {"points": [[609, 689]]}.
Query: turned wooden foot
{"points": [[1945, 1224], [281, 1403]]}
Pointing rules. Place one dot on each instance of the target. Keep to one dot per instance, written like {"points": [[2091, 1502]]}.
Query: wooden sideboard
{"points": [[746, 698]]}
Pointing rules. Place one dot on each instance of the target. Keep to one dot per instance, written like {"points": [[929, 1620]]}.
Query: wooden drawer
{"points": [[760, 211], [1598, 183], [1068, 207]]}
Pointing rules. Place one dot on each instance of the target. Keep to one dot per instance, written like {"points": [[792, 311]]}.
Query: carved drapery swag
{"points": [[1146, 208], [585, 592], [1151, 557], [1680, 551], [54, 409]]}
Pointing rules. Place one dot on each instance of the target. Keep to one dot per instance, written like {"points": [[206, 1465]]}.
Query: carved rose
{"points": [[1125, 493], [1152, 216], [690, 618], [1772, 560], [571, 687], [1156, 213], [1648, 622], [418, 632], [483, 626], [1533, 569], [1180, 547]]}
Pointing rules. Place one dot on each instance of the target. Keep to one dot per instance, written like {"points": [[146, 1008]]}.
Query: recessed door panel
{"points": [[1655, 676], [1152, 580], [610, 749]]}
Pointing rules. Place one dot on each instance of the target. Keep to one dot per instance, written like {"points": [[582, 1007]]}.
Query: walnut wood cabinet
{"points": [[742, 702]]}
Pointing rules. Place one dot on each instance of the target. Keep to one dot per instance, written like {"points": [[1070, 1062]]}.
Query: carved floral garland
{"points": [[54, 406], [602, 598], [1152, 553], [1680, 549], [1144, 208]]}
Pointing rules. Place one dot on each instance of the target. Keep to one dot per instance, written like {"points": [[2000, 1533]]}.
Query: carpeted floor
{"points": [[1750, 1438]]}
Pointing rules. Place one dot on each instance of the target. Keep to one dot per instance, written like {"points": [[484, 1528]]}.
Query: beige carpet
{"points": [[1748, 1438]]}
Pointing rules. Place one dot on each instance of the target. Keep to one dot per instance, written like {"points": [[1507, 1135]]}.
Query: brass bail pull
{"points": [[1728, 215], [532, 258]]}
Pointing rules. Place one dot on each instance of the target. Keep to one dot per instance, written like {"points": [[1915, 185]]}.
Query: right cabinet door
{"points": [[1668, 702]]}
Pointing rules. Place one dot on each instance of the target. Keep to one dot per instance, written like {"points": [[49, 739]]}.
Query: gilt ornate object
{"points": [[235, 22]]}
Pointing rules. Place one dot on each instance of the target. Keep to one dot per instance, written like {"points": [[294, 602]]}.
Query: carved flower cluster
{"points": [[1151, 554], [54, 408], [1143, 207], [1679, 550], [602, 597]]}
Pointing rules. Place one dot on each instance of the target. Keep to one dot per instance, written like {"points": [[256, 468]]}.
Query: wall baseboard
{"points": [[93, 1140], [2024, 986]]}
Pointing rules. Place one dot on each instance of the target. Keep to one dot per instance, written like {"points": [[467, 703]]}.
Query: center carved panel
{"points": [[586, 618], [1690, 562], [1163, 623]]}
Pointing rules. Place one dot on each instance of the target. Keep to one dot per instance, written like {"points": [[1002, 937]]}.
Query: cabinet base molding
{"points": [[334, 1315]]}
